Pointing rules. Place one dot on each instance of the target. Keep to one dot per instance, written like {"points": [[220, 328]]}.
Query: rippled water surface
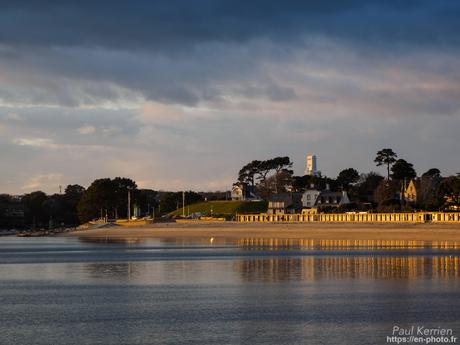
{"points": [[67, 291]]}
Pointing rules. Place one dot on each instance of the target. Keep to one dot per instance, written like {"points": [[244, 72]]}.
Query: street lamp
{"points": [[183, 204], [129, 202]]}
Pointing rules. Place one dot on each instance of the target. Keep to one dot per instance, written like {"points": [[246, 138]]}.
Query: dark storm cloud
{"points": [[182, 51], [171, 26], [144, 88]]}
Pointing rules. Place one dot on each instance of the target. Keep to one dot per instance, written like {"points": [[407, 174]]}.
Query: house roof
{"points": [[280, 197], [329, 194], [415, 182], [338, 198]]}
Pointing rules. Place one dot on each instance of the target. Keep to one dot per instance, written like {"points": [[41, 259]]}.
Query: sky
{"points": [[181, 94]]}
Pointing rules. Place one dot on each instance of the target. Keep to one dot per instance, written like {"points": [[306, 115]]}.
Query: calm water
{"points": [[66, 291]]}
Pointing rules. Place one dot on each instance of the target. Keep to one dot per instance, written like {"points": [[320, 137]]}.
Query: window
{"points": [[308, 196]]}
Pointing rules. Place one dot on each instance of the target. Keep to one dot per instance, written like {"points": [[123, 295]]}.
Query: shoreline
{"points": [[323, 231]]}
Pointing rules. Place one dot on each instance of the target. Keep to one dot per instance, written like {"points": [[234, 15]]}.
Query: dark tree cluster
{"points": [[11, 212], [434, 192], [257, 174], [109, 198], [302, 183], [347, 177], [402, 170], [106, 198], [447, 196], [259, 170], [38, 210]]}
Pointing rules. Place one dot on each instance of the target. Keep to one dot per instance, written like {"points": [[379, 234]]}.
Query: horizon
{"points": [[180, 97]]}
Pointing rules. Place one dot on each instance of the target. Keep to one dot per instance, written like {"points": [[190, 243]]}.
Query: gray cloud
{"points": [[178, 25], [180, 94]]}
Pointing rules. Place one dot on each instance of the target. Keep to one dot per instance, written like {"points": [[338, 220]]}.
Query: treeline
{"points": [[38, 210], [105, 198], [367, 191]]}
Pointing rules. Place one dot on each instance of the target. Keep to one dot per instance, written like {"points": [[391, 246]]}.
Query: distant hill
{"points": [[225, 209]]}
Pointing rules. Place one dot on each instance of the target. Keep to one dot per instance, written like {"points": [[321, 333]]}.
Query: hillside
{"points": [[223, 208]]}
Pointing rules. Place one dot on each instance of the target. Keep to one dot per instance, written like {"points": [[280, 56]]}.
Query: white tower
{"points": [[311, 166]]}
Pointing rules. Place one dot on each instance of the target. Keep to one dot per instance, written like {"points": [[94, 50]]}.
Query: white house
{"points": [[309, 198], [244, 192], [335, 199], [237, 193], [313, 198]]}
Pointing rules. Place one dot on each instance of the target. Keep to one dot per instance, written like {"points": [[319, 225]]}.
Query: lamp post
{"points": [[129, 202], [183, 204]]}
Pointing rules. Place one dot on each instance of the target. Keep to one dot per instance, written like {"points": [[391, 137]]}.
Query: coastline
{"points": [[316, 231]]}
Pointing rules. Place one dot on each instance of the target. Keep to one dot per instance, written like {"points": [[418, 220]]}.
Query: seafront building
{"points": [[307, 216], [244, 192], [310, 196], [284, 203], [314, 198], [412, 190]]}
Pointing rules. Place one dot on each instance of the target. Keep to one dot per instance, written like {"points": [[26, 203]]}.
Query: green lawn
{"points": [[223, 208]]}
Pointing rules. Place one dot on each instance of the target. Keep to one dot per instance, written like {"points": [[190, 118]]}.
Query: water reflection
{"points": [[269, 268], [222, 260], [278, 269], [155, 272], [115, 271], [342, 244], [121, 240], [280, 243], [312, 268]]}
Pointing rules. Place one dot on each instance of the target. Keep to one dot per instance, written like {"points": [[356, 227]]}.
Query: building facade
{"points": [[410, 192], [313, 198], [244, 192], [285, 203], [309, 198]]}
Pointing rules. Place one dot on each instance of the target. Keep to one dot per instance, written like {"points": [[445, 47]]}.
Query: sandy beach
{"points": [[311, 231]]}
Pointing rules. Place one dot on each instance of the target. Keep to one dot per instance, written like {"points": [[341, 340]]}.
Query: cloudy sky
{"points": [[180, 94]]}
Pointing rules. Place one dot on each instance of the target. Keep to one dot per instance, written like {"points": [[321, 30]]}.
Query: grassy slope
{"points": [[223, 208]]}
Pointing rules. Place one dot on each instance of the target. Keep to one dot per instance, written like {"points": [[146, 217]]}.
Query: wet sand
{"points": [[313, 231]]}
